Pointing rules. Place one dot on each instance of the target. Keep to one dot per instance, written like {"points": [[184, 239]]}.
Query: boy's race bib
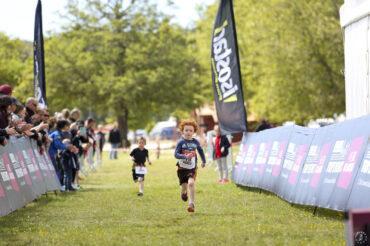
{"points": [[140, 170], [188, 163]]}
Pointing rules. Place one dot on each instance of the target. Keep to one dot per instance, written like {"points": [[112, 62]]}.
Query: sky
{"points": [[17, 16]]}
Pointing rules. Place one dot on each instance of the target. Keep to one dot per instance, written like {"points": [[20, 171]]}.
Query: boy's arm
{"points": [[132, 155], [201, 153], [147, 157], [178, 154]]}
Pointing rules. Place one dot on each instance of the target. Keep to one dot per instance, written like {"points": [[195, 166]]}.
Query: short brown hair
{"points": [[188, 122], [143, 139], [19, 107]]}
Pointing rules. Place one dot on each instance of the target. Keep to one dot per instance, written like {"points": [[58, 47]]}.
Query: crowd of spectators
{"points": [[66, 138]]}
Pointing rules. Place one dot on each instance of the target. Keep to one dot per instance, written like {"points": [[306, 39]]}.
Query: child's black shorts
{"points": [[185, 174], [136, 176]]}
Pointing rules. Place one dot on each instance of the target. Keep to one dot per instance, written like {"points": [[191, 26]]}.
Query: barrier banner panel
{"points": [[240, 169], [11, 188], [38, 185], [360, 198], [5, 207], [235, 174], [298, 145], [47, 177], [345, 157], [326, 167], [40, 170], [259, 164], [49, 164], [20, 171], [250, 156], [279, 138], [312, 168]]}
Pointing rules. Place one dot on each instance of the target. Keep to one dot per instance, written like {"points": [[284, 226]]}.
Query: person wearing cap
{"points": [[6, 90]]}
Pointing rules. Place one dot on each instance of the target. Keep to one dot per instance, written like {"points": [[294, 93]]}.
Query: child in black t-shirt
{"points": [[139, 156]]}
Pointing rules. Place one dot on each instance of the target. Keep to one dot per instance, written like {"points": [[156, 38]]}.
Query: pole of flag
{"points": [[39, 86], [226, 75]]}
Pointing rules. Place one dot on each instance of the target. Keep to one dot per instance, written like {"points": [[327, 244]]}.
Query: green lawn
{"points": [[107, 211]]}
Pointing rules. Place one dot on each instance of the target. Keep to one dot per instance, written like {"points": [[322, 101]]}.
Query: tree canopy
{"points": [[291, 55], [127, 60]]}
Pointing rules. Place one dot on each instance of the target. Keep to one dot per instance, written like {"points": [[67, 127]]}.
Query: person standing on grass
{"points": [[139, 156], [114, 139], [185, 152], [100, 137], [221, 150]]}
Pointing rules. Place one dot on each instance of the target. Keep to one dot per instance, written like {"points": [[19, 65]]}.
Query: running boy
{"points": [[187, 164], [139, 156]]}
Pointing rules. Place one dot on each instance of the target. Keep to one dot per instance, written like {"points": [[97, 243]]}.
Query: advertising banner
{"points": [[226, 76]]}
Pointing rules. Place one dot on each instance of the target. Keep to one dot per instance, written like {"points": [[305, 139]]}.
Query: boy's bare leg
{"points": [[141, 184], [184, 188], [191, 185]]}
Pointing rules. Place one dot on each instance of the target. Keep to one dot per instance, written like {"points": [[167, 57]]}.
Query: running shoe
{"points": [[140, 194], [184, 196], [191, 207], [219, 181], [225, 180]]}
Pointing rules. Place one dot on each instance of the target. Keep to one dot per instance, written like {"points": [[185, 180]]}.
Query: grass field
{"points": [[107, 211]]}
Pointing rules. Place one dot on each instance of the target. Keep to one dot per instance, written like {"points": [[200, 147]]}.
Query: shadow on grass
{"points": [[256, 190], [316, 211], [16, 219]]}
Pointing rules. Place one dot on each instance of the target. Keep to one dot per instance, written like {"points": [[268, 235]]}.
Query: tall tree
{"points": [[14, 60], [291, 57], [124, 59]]}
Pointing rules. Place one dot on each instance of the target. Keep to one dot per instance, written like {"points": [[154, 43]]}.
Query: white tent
{"points": [[355, 21], [161, 125]]}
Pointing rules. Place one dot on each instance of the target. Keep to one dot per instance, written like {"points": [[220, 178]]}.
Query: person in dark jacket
{"points": [[221, 150], [263, 125], [57, 144], [31, 107], [100, 138], [5, 105], [69, 163], [114, 140], [5, 129]]}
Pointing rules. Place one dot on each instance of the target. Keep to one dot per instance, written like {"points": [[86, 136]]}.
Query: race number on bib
{"points": [[188, 163], [140, 169]]}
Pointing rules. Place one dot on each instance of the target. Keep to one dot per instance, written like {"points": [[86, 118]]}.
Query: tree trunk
{"points": [[122, 127]]}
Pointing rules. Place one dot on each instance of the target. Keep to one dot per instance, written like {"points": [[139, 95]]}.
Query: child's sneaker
{"points": [[191, 207], [140, 194], [184, 196], [225, 180], [219, 181]]}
